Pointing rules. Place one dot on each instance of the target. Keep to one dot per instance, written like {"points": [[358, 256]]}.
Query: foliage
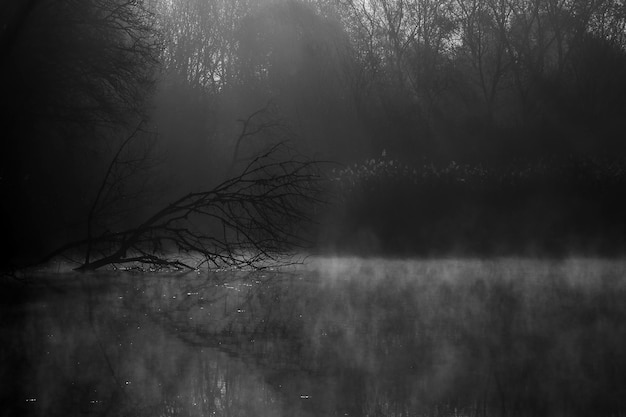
{"points": [[570, 171], [555, 206]]}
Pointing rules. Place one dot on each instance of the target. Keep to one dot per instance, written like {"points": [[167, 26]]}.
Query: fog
{"points": [[339, 336], [430, 85], [312, 207]]}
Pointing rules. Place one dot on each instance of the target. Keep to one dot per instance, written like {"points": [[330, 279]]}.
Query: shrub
{"points": [[548, 206]]}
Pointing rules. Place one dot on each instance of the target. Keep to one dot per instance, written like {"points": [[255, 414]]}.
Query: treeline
{"points": [[556, 206], [449, 79], [519, 93], [203, 85]]}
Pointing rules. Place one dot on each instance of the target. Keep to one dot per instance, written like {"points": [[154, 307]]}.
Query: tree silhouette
{"points": [[76, 74], [254, 219]]}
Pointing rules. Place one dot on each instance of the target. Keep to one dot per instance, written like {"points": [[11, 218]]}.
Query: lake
{"points": [[333, 337]]}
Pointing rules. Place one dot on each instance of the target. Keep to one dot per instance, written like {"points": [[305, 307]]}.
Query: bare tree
{"points": [[200, 44], [261, 122], [254, 219], [124, 185], [77, 74], [483, 52]]}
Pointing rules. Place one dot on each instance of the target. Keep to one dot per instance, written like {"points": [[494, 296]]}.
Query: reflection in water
{"points": [[339, 337]]}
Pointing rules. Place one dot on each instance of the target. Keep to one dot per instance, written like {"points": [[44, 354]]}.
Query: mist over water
{"points": [[338, 336], [480, 139]]}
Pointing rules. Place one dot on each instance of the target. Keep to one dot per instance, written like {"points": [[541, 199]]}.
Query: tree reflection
{"points": [[432, 338], [471, 338]]}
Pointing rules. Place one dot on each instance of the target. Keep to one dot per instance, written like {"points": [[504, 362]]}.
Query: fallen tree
{"points": [[257, 218]]}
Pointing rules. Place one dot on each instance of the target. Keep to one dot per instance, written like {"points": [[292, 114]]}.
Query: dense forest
{"points": [[441, 126]]}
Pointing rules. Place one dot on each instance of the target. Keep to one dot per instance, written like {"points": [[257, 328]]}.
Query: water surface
{"points": [[336, 337]]}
